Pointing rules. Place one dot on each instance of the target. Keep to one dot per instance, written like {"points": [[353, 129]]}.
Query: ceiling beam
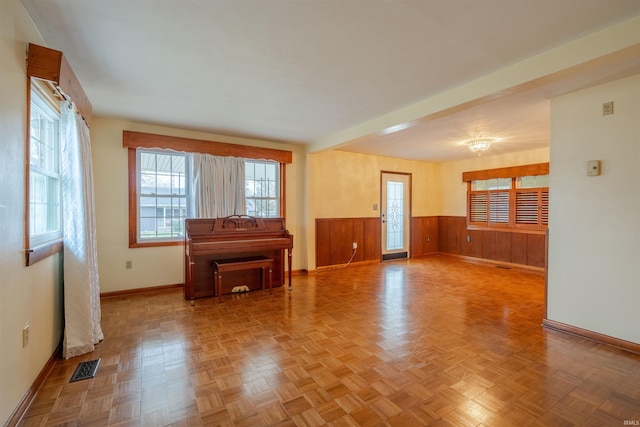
{"points": [[591, 54]]}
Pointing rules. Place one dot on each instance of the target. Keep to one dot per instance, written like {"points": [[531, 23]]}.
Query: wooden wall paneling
{"points": [[536, 250], [446, 234], [337, 231], [465, 241], [323, 242], [335, 237], [372, 231], [459, 227], [358, 237], [449, 235], [424, 235], [518, 248], [417, 228], [475, 244], [489, 244], [433, 235], [442, 224], [503, 246]]}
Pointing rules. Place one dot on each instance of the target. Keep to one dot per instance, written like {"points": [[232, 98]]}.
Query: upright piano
{"points": [[237, 236]]}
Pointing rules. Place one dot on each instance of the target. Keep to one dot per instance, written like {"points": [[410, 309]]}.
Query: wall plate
{"points": [[593, 168]]}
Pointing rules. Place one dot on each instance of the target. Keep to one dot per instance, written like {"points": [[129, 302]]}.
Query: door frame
{"points": [[409, 227]]}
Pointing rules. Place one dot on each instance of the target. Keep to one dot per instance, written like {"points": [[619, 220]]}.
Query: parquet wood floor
{"points": [[435, 341]]}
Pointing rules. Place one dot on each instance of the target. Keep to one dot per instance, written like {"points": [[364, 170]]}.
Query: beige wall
{"points": [[28, 295], [594, 227], [160, 265], [347, 185]]}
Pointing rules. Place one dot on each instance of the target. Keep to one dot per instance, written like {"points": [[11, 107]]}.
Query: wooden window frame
{"points": [[134, 140], [513, 173]]}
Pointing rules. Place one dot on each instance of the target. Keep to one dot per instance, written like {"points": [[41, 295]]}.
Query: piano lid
{"points": [[234, 224]]}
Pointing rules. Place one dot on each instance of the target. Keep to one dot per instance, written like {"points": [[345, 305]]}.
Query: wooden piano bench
{"points": [[265, 264]]}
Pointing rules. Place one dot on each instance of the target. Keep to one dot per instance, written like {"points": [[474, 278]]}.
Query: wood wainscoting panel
{"points": [[518, 248], [429, 235], [424, 235], [536, 247], [450, 229], [340, 231], [503, 246], [489, 244], [372, 243], [512, 247], [472, 243], [335, 237], [322, 242]]}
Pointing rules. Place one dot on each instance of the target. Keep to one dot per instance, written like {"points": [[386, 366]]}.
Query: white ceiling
{"points": [[304, 71]]}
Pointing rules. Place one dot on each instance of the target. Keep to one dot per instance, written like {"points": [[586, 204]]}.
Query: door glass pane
{"points": [[395, 215]]}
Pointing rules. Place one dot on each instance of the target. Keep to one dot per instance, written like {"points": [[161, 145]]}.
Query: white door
{"points": [[395, 204]]}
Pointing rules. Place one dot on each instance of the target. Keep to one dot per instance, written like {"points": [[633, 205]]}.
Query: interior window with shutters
{"points": [[511, 202], [532, 200]]}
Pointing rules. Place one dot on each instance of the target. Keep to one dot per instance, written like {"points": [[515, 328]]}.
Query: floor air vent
{"points": [[85, 370], [397, 255]]}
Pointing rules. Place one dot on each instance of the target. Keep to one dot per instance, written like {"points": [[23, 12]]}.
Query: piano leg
{"points": [[289, 259]]}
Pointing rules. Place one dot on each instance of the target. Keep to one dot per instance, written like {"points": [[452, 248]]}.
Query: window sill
{"points": [[156, 244], [507, 229], [34, 255]]}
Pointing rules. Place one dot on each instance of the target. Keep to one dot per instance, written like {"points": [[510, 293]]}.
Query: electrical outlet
{"points": [[128, 265], [354, 245], [25, 336]]}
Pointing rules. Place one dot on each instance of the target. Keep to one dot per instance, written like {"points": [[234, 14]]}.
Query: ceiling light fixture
{"points": [[479, 144]]}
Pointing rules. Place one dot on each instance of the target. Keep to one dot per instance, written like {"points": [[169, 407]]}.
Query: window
{"points": [[262, 188], [163, 193], [160, 175], [518, 198], [44, 223]]}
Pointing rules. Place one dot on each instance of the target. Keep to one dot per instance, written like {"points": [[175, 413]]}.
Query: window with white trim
{"points": [[262, 188], [44, 171]]}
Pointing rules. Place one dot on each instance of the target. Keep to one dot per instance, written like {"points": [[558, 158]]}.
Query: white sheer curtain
{"points": [[218, 186], [81, 284]]}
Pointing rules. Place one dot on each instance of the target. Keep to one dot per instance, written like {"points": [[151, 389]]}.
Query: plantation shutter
{"points": [[532, 207], [545, 208], [499, 207], [508, 198], [478, 208], [527, 207]]}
